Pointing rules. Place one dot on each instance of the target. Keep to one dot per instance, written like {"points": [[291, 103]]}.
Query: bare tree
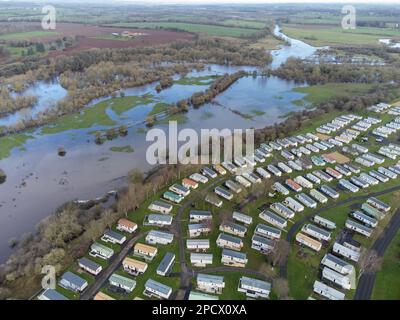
{"points": [[281, 288], [280, 253], [370, 261]]}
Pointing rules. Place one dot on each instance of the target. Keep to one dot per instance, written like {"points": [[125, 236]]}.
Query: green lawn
{"points": [[322, 36], [28, 35], [210, 30]]}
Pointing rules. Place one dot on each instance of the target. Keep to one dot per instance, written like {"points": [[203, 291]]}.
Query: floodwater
{"points": [[39, 181]]}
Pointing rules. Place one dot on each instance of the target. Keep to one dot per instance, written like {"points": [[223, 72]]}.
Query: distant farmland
{"points": [[322, 36], [210, 30]]}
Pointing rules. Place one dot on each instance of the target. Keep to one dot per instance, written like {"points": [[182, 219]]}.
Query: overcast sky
{"points": [[262, 1]]}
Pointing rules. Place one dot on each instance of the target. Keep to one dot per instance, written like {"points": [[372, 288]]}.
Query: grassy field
{"points": [[244, 23], [210, 30], [8, 143], [200, 81], [387, 282], [320, 93], [322, 36], [96, 115], [27, 35], [267, 43]]}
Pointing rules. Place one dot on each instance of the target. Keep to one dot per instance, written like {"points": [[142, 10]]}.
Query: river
{"points": [[39, 181]]}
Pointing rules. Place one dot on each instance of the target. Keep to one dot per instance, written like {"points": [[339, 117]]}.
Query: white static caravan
{"points": [[387, 172], [284, 168], [327, 292], [210, 283], [230, 242], [199, 216], [198, 244], [199, 178], [250, 161], [368, 179], [318, 196], [324, 222], [243, 218], [233, 228], [89, 266], [126, 225], [179, 189], [337, 264], [303, 182], [282, 210], [364, 162], [316, 232], [252, 177], [359, 182], [306, 200], [358, 227], [244, 182], [201, 259], [277, 186], [274, 170], [214, 201], [166, 264], [273, 219], [229, 166], [223, 193], [335, 277], [113, 237], [322, 175], [161, 206], [329, 191], [366, 219], [156, 289], [293, 204], [254, 288], [160, 220], [287, 155], [307, 241], [159, 237], [209, 172], [267, 231], [234, 258], [346, 252], [348, 185], [263, 173], [198, 229], [240, 162], [352, 168], [380, 205], [343, 170], [233, 186], [262, 244], [379, 176]]}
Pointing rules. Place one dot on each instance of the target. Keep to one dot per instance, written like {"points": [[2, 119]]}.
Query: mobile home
{"points": [[316, 232], [166, 264], [179, 189], [101, 251], [122, 283], [358, 227], [210, 283], [233, 186], [161, 206], [267, 231], [199, 215], [145, 251], [254, 288], [156, 289], [282, 210], [223, 193], [230, 242], [327, 292], [243, 218], [213, 200], [201, 259], [90, 266], [262, 244], [307, 241], [233, 228], [233, 258], [126, 225], [113, 237], [273, 219], [134, 267], [172, 196], [198, 244], [71, 281], [159, 237]]}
